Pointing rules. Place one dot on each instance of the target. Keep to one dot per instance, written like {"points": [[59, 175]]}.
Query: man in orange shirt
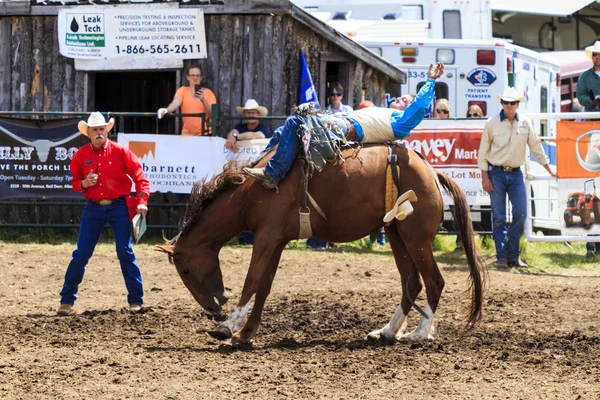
{"points": [[192, 99], [103, 171]]}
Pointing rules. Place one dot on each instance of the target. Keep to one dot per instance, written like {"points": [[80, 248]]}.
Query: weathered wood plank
{"points": [[258, 61], [213, 39], [68, 98], [236, 68], [267, 70], [37, 46], [5, 63], [291, 65], [47, 46], [58, 75], [22, 68], [248, 57], [225, 62], [277, 58]]}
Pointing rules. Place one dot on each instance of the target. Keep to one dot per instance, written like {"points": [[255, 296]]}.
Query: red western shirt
{"points": [[116, 167]]}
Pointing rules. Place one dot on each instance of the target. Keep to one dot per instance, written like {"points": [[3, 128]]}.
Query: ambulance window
{"points": [[452, 29], [441, 90], [543, 109], [412, 12]]}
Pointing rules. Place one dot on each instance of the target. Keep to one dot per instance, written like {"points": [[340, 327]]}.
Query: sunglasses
{"points": [[512, 103], [439, 111], [595, 54], [335, 94], [474, 115]]}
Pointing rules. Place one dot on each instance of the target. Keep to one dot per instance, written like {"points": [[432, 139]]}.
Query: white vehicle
{"points": [[448, 19], [475, 71]]}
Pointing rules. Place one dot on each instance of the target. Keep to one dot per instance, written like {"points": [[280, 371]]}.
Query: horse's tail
{"points": [[478, 276]]}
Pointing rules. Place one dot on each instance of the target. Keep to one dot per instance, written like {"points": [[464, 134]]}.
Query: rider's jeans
{"points": [[289, 142]]}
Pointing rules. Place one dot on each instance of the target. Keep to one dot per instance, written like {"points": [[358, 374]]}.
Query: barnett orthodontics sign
{"points": [[35, 158], [97, 33]]}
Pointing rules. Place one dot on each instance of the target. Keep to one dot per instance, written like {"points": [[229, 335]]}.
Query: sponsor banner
{"points": [[249, 151], [35, 158], [578, 166], [578, 149], [175, 163], [98, 33], [453, 150]]}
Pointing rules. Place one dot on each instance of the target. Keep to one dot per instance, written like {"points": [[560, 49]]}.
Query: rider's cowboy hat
{"points": [[95, 119], [593, 49], [510, 94], [251, 104]]}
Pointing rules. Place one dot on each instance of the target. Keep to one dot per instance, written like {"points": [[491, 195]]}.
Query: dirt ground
{"points": [[539, 339]]}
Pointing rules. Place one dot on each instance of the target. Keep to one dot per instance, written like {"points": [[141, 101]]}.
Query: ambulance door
{"points": [[445, 88]]}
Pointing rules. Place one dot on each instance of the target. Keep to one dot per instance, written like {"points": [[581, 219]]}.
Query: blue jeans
{"points": [[93, 218], [289, 142], [513, 185]]}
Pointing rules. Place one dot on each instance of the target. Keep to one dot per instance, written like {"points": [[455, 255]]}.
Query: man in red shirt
{"points": [[103, 171]]}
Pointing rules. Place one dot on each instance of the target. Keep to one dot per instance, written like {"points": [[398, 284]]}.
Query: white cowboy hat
{"points": [[95, 119], [593, 49], [251, 104], [510, 94]]}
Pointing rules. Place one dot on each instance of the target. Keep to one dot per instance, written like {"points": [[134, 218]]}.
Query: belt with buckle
{"points": [[505, 168], [107, 202]]}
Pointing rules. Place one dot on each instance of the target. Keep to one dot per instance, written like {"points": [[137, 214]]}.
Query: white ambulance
{"points": [[475, 71]]}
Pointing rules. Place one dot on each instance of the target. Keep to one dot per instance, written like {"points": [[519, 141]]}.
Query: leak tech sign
{"points": [[481, 77], [85, 29]]}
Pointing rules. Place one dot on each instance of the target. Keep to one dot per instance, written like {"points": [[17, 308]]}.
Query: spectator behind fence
{"points": [[103, 172], [441, 109], [590, 80], [249, 128], [474, 111], [336, 95], [502, 151], [192, 99]]}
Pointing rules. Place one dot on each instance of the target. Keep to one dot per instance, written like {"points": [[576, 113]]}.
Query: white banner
{"points": [[141, 32], [249, 151], [174, 163]]}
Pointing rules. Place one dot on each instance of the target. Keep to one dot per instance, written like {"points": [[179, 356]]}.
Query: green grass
{"points": [[540, 256]]}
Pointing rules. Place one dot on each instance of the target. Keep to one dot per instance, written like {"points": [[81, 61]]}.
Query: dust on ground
{"points": [[539, 337]]}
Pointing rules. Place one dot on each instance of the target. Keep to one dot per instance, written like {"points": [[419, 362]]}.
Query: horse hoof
{"points": [[220, 333], [373, 337]]}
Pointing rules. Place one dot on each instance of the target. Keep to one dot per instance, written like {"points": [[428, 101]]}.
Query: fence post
{"points": [[214, 120]]}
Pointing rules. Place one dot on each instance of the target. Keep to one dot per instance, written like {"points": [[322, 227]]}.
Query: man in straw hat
{"points": [[501, 154], [249, 128], [590, 79], [103, 171]]}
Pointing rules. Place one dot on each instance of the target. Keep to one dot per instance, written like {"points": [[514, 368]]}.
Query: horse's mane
{"points": [[203, 192]]}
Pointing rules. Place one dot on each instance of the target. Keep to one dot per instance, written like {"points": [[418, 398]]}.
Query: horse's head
{"points": [[595, 101], [199, 269], [195, 251]]}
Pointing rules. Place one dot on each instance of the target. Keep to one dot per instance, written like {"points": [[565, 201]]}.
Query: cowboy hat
{"points": [[95, 119], [510, 94], [593, 49], [251, 104]]}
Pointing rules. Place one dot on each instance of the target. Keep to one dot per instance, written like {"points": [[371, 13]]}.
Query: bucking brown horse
{"points": [[351, 194]]}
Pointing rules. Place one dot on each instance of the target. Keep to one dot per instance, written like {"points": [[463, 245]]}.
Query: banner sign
{"points": [[453, 150], [128, 32], [578, 166], [174, 163], [249, 151], [35, 158]]}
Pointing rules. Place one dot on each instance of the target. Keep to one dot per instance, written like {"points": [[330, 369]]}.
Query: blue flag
{"points": [[306, 88]]}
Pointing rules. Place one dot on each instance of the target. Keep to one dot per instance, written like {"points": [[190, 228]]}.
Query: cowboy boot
{"points": [[259, 174]]}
